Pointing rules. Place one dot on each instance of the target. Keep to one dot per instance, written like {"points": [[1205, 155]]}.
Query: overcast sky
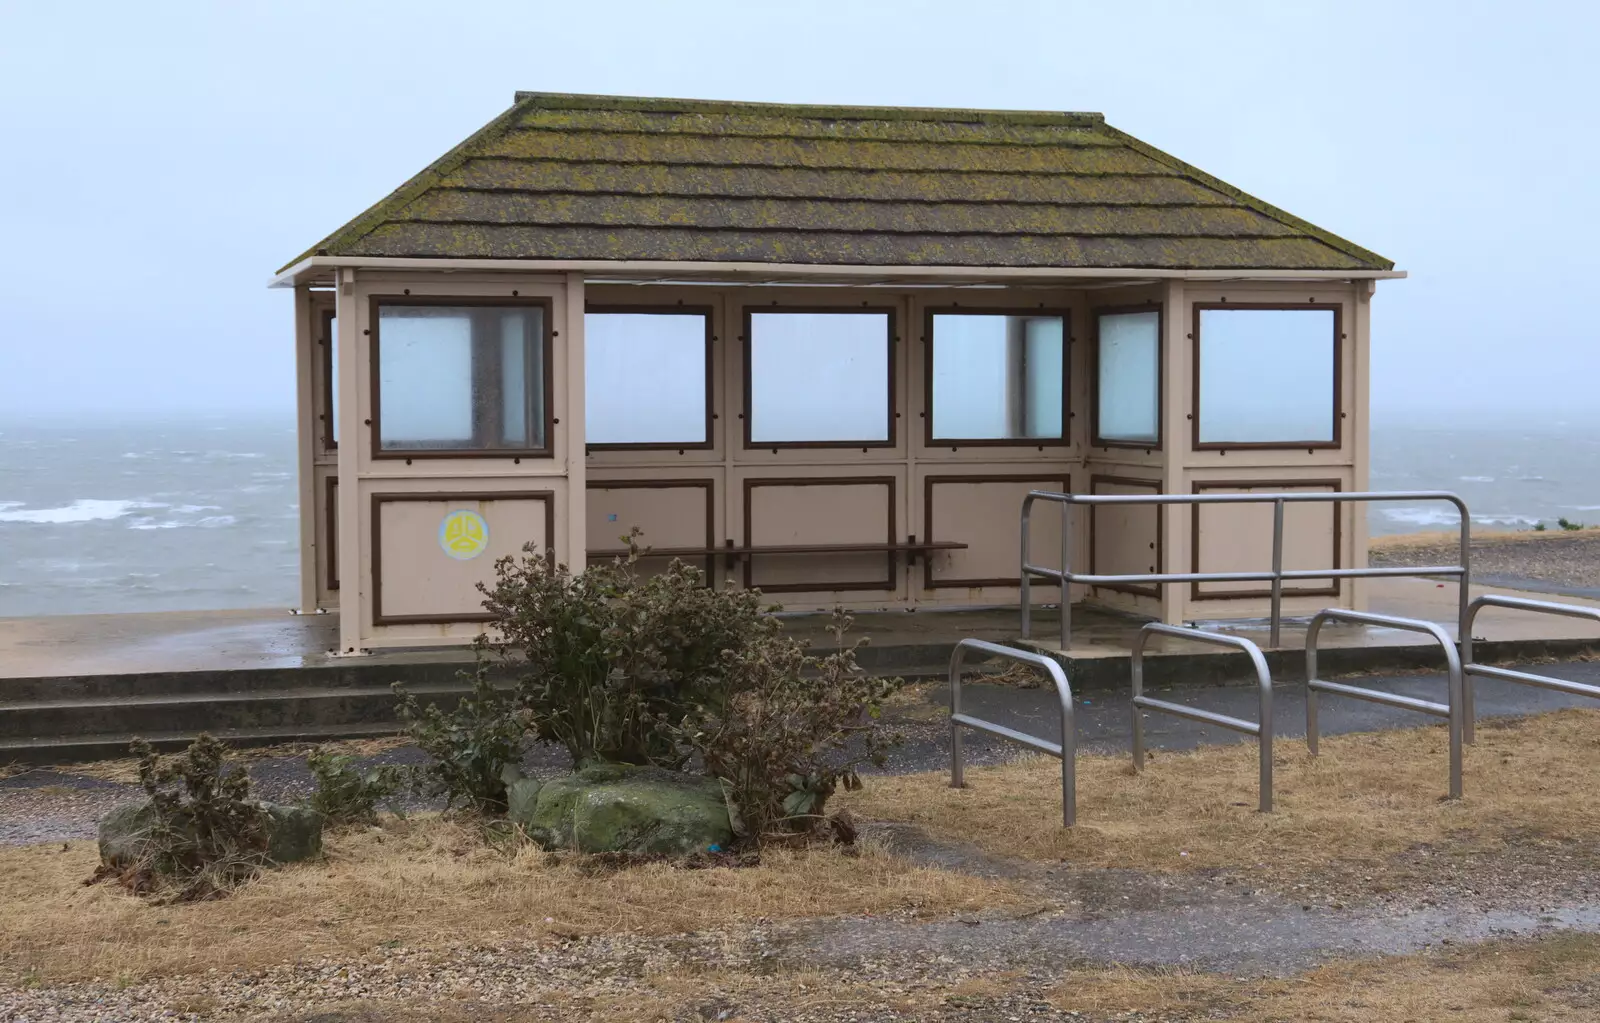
{"points": [[162, 160]]}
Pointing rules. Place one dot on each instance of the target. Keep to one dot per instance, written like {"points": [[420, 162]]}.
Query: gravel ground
{"points": [[1558, 562]]}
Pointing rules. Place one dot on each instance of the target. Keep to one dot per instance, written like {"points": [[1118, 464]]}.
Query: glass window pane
{"points": [[1266, 375], [645, 378], [460, 377], [997, 377], [331, 367], [1129, 395], [819, 377]]}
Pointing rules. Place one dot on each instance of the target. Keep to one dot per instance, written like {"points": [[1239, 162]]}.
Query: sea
{"points": [[201, 513]]}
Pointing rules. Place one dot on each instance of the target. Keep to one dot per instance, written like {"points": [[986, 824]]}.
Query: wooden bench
{"points": [[912, 548]]}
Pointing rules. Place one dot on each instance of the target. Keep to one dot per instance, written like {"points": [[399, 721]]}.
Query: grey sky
{"points": [[162, 160]]}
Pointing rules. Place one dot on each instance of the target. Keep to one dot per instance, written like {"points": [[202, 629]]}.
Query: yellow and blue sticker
{"points": [[463, 535]]}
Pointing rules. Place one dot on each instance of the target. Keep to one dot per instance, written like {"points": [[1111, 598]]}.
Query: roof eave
{"points": [[313, 266]]}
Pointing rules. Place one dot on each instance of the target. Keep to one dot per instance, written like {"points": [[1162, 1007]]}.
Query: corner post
{"points": [[306, 440]]}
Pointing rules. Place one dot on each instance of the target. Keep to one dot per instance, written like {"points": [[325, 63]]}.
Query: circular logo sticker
{"points": [[463, 535]]}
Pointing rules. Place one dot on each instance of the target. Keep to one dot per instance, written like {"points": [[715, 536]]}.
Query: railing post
{"points": [[1137, 674], [1277, 573], [1027, 581], [1464, 624], [1312, 632], [1066, 587], [957, 774]]}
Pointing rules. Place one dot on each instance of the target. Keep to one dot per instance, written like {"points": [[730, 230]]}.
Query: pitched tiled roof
{"points": [[613, 178]]}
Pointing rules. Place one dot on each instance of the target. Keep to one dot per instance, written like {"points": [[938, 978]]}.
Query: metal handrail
{"points": [[1065, 577], [1470, 669], [1066, 752], [1261, 728], [1453, 711]]}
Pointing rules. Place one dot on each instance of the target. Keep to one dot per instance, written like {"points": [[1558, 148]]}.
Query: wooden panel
{"points": [[416, 580], [669, 512], [1238, 538], [984, 512], [1125, 540], [819, 510]]}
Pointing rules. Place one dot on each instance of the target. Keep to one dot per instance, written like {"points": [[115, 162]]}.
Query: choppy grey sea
{"points": [[201, 513]]}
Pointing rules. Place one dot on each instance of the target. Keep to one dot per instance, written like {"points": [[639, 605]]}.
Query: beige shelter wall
{"points": [[1240, 537], [726, 493], [401, 570], [423, 574], [916, 473]]}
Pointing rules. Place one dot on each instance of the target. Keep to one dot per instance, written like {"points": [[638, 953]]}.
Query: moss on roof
{"points": [[559, 177]]}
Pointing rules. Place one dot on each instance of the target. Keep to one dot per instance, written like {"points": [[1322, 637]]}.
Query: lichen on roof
{"points": [[566, 177]]}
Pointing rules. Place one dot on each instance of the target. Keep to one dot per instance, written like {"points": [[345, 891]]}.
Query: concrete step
{"points": [[355, 675], [70, 749], [303, 707]]}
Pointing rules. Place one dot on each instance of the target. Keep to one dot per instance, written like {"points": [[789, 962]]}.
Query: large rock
{"points": [[620, 808], [294, 833]]}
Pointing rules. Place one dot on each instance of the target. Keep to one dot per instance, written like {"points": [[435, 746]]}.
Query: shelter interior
{"points": [[830, 432]]}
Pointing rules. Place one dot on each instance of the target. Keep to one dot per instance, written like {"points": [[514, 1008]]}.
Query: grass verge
{"points": [[430, 882], [1366, 798]]}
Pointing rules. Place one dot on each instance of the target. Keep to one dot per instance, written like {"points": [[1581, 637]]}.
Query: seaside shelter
{"points": [[822, 351]]}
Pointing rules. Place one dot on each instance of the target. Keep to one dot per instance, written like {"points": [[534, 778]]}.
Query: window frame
{"points": [[928, 439], [374, 307], [664, 309], [1337, 308], [891, 411], [1095, 439], [325, 320]]}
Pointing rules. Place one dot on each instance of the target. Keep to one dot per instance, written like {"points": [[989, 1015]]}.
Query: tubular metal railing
{"points": [[1470, 669], [1261, 729], [1064, 576], [1456, 710], [1066, 751]]}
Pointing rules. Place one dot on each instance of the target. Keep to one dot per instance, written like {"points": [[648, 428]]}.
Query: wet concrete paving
{"points": [[1250, 934]]}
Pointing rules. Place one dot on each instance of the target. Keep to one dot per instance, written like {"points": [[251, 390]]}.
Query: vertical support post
{"points": [[1066, 588], [957, 773], [1458, 719], [354, 352], [1464, 623], [1277, 574], [572, 420], [1137, 674], [1026, 580], [1311, 674], [1265, 737], [306, 441]]}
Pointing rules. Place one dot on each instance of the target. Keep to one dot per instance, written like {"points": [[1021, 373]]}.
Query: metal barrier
{"points": [[1453, 711], [1560, 685], [1262, 728], [1066, 752], [1276, 576]]}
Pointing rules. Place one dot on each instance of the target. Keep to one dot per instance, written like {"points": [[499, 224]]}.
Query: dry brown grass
{"points": [[1364, 799], [430, 882], [1545, 979], [1400, 541], [1549, 978]]}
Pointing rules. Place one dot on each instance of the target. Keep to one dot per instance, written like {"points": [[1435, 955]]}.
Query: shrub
{"points": [[474, 747], [346, 794], [1571, 527], [202, 835], [604, 654], [790, 730]]}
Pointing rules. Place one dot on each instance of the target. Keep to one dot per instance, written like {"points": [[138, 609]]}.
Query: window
{"points": [[1267, 376], [458, 377], [1127, 407], [819, 377], [997, 378], [647, 377], [329, 323]]}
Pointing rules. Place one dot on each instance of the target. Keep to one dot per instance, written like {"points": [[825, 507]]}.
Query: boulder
{"points": [[294, 833], [522, 796], [627, 809]]}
